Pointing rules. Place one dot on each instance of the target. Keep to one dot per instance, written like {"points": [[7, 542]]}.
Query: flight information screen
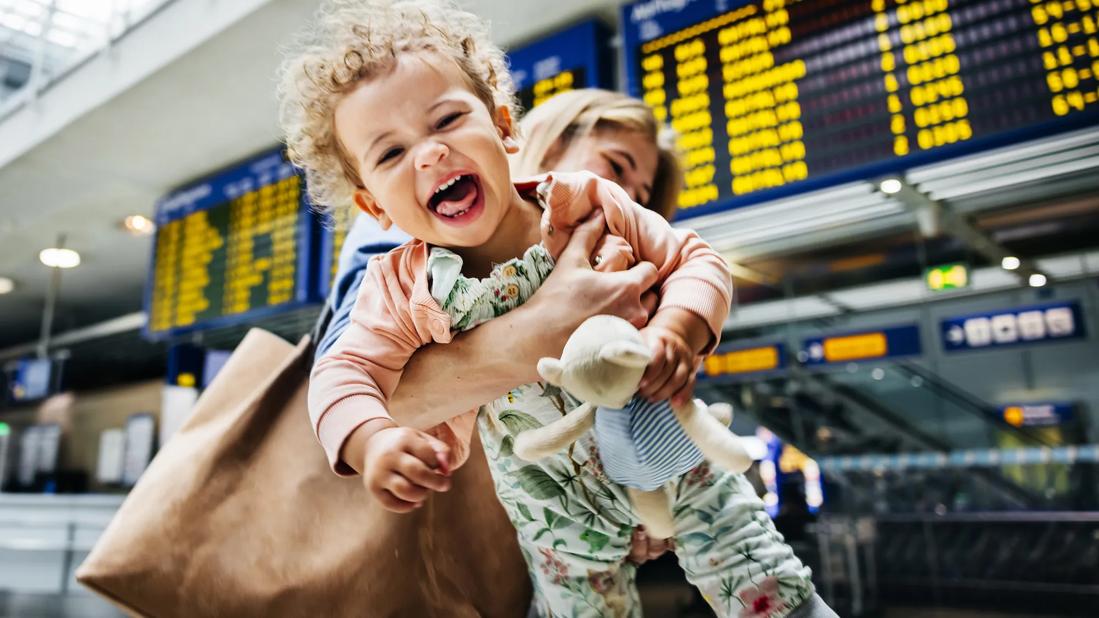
{"points": [[577, 57], [774, 97], [336, 225], [230, 248]]}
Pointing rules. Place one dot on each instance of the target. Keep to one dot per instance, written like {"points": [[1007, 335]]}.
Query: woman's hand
{"points": [[644, 548], [574, 291]]}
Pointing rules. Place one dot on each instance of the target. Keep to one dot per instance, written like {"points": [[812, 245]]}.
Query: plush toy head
{"points": [[602, 362]]}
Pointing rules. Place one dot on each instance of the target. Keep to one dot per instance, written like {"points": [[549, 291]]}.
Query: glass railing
{"points": [[42, 40]]}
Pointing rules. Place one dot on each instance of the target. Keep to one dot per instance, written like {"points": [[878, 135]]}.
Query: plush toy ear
{"points": [[551, 369], [626, 354]]}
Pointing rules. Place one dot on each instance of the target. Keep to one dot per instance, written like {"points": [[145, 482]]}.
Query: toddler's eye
{"points": [[390, 154], [448, 120]]}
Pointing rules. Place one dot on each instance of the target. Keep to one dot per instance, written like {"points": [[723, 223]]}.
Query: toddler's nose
{"points": [[431, 154]]}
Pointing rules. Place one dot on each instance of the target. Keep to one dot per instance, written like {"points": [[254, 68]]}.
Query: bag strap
{"points": [[319, 329]]}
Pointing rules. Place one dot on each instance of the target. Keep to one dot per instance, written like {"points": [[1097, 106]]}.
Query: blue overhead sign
{"points": [[1008, 327], [577, 57], [891, 342], [32, 379]]}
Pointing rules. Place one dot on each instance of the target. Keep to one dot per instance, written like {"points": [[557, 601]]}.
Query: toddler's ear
{"points": [[366, 203], [506, 128], [626, 354]]}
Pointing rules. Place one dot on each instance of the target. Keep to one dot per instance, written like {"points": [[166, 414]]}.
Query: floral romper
{"points": [[574, 523]]}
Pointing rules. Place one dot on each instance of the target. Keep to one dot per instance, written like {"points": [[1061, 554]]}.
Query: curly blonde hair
{"points": [[354, 40], [552, 127]]}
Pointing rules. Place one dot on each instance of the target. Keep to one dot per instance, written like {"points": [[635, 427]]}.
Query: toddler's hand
{"points": [[671, 373], [402, 465]]}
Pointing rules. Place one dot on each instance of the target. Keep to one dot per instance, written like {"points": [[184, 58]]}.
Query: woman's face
{"points": [[629, 158]]}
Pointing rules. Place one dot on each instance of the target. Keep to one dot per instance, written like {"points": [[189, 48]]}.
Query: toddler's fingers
{"points": [[649, 301], [584, 238], [420, 474], [662, 367], [684, 394], [681, 374], [442, 454], [393, 503], [424, 447], [406, 490]]}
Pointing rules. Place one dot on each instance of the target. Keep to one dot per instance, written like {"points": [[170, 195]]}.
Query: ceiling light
{"points": [[889, 186], [1037, 280], [1010, 263], [6, 285], [138, 225], [59, 258]]}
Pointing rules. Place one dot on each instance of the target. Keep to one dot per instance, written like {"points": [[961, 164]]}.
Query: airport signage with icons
{"points": [[1022, 325], [1036, 414], [892, 342]]}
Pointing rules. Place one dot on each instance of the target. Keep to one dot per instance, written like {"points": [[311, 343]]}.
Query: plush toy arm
{"points": [[717, 443], [534, 444]]}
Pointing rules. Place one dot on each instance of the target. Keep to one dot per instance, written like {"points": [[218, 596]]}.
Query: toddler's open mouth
{"points": [[458, 199]]}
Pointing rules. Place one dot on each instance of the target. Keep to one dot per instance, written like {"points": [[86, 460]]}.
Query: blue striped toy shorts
{"points": [[643, 445]]}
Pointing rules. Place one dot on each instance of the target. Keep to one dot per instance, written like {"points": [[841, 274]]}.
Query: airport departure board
{"points": [[337, 224], [231, 248], [577, 57], [775, 97]]}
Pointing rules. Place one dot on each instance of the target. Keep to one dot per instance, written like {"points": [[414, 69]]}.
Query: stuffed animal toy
{"points": [[601, 365]]}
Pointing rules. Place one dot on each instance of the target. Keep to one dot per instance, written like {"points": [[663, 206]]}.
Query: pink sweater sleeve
{"points": [[353, 382], [693, 276]]}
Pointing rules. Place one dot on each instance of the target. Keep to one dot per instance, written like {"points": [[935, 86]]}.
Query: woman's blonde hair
{"points": [[353, 40], [556, 124]]}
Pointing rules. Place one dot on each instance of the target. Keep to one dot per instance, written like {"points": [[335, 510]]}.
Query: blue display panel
{"points": [[231, 248], [1010, 327], [1036, 414], [577, 57], [776, 97], [32, 379], [868, 345]]}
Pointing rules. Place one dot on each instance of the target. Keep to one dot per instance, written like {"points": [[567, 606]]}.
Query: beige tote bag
{"points": [[239, 515]]}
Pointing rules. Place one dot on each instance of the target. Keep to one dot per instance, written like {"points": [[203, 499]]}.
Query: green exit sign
{"points": [[947, 277]]}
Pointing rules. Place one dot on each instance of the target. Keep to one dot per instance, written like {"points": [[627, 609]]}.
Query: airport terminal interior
{"points": [[906, 193]]}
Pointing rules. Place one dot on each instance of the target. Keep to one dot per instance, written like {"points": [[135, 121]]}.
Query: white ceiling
{"points": [[188, 91]]}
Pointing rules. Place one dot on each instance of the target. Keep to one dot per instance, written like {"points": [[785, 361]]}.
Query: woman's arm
{"points": [[441, 381]]}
